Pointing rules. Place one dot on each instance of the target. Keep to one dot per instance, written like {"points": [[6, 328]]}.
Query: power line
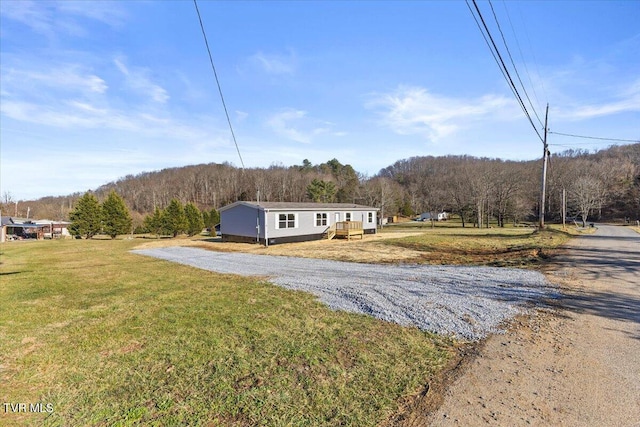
{"points": [[521, 56], [504, 41], [573, 146], [226, 112], [533, 54], [498, 58], [595, 137]]}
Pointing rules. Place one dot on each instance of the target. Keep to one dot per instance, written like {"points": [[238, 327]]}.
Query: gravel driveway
{"points": [[465, 302]]}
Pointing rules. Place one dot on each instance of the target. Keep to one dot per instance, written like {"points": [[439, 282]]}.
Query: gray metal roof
{"points": [[25, 225], [300, 206], [10, 220]]}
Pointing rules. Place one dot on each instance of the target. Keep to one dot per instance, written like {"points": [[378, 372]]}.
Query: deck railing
{"points": [[331, 232], [349, 228], [349, 225]]}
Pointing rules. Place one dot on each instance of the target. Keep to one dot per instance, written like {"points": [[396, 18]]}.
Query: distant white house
{"points": [[55, 229], [426, 216], [282, 222]]}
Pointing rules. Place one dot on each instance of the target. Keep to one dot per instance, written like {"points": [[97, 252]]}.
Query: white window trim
{"points": [[350, 216], [370, 217], [315, 219], [295, 220]]}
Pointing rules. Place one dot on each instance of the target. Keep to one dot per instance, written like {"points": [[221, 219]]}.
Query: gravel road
{"points": [[464, 302], [578, 367]]}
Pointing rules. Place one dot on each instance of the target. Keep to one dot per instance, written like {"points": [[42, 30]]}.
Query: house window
{"points": [[321, 219], [286, 220], [370, 217], [347, 216]]}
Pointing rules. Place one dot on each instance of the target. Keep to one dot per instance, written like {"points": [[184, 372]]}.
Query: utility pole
{"points": [[545, 157], [381, 204], [564, 208]]}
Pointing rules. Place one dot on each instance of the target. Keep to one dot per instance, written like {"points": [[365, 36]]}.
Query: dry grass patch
{"points": [[509, 247], [452, 245], [368, 250]]}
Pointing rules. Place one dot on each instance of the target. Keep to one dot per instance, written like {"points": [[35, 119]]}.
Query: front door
{"points": [[337, 217]]}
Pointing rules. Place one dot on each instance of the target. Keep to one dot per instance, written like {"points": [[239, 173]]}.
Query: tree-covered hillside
{"points": [[606, 183]]}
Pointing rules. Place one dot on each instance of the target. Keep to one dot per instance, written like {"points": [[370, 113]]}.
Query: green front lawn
{"points": [[108, 337]]}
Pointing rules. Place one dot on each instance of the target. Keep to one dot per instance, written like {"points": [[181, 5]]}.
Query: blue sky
{"points": [[93, 91]]}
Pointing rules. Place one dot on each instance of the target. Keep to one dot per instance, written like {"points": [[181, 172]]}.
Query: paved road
{"points": [[577, 367], [610, 257]]}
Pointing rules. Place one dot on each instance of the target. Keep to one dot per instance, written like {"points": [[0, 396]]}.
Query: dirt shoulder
{"points": [[575, 364]]}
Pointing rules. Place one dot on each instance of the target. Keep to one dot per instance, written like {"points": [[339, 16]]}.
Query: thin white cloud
{"points": [[297, 126], [138, 80], [71, 96], [33, 14], [625, 100], [274, 63], [107, 12], [62, 17], [241, 116], [189, 91], [64, 77], [75, 114], [416, 111], [68, 114], [280, 123]]}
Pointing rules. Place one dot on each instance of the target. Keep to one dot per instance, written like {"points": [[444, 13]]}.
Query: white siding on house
{"points": [[250, 220]]}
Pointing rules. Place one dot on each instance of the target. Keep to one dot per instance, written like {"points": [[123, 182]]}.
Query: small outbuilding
{"points": [[283, 222], [55, 229], [441, 216]]}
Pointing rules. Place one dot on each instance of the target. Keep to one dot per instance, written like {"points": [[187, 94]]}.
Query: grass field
{"points": [[503, 247], [107, 337]]}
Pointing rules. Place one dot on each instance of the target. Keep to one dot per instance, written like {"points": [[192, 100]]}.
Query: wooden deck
{"points": [[346, 229]]}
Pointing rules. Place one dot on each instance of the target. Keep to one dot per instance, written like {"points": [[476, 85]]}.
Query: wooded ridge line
{"points": [[605, 184]]}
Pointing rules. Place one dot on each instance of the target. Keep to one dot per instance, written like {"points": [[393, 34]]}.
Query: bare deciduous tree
{"points": [[586, 194]]}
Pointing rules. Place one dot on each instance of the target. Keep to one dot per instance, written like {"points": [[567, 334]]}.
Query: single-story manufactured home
{"points": [[282, 222]]}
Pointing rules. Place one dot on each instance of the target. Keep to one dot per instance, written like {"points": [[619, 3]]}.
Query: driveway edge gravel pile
{"points": [[464, 302]]}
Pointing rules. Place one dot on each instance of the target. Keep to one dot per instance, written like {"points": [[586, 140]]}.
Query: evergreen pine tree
{"points": [[206, 219], [174, 218], [214, 218], [321, 191], [115, 216], [86, 217], [193, 216], [155, 222]]}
